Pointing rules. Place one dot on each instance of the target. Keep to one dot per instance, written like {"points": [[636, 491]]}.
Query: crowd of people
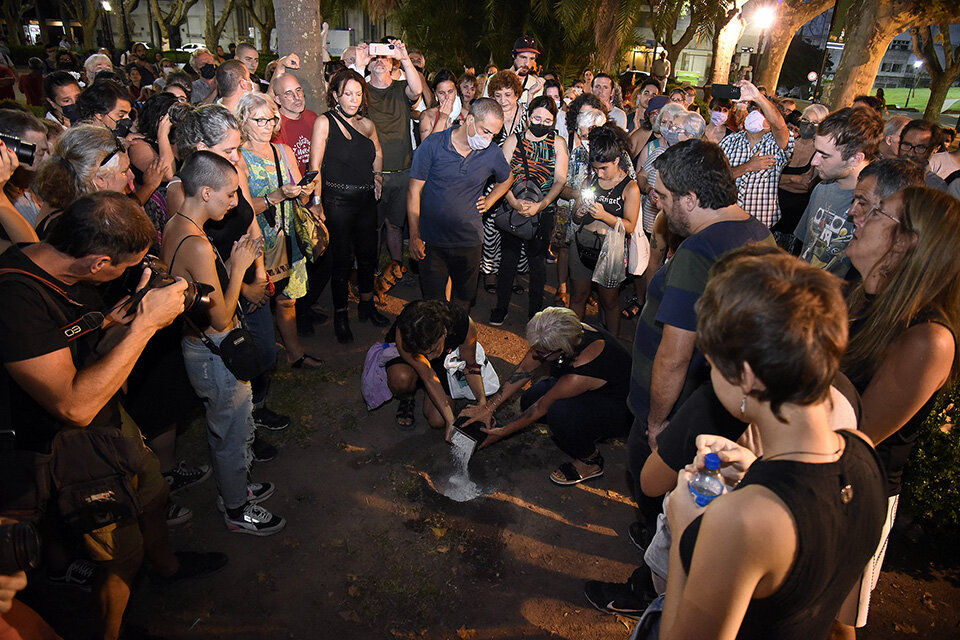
{"points": [[792, 274]]}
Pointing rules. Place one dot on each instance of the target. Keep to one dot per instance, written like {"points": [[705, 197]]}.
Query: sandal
{"points": [[405, 413], [301, 362], [567, 474], [632, 310]]}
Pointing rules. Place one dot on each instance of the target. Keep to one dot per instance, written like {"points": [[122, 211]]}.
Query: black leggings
{"points": [[577, 423], [352, 222]]}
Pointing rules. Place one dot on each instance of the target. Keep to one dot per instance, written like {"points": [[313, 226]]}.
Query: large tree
{"points": [[262, 14], [170, 20], [727, 27], [941, 75], [790, 16], [214, 25], [87, 13], [870, 28], [298, 31], [666, 14], [12, 12]]}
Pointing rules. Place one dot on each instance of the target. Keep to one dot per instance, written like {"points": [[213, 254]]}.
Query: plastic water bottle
{"points": [[707, 484]]}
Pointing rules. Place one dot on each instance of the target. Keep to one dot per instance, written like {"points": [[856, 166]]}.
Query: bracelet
{"points": [[267, 201], [315, 200], [378, 173]]}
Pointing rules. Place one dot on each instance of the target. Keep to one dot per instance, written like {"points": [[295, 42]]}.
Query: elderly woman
{"points": [[798, 177], [582, 401], [94, 64], [272, 176], [775, 556], [903, 337]]}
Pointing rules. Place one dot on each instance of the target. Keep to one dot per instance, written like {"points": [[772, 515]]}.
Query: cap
{"points": [[656, 103], [525, 44], [712, 461]]}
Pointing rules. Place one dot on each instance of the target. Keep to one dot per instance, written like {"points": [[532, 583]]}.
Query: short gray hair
{"points": [[671, 109], [893, 175], [692, 123], [555, 328], [93, 61], [895, 125], [251, 102], [816, 113], [199, 51]]}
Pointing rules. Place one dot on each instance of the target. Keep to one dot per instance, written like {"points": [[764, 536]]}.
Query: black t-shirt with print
{"points": [[31, 327]]}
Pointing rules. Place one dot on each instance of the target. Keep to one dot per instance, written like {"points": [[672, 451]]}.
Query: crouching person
{"points": [[210, 184], [64, 376]]}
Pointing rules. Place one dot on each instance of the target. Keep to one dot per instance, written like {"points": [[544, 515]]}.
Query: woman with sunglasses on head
{"points": [[346, 151], [583, 400], [273, 177], [905, 314]]}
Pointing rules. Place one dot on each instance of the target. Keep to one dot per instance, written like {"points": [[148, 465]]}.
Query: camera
{"points": [[19, 548], [25, 151], [196, 296]]}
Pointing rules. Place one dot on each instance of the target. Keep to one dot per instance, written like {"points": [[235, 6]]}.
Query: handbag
{"points": [[639, 251], [589, 254], [457, 378], [509, 220], [276, 259]]}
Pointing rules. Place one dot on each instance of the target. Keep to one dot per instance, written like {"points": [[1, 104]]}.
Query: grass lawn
{"points": [[919, 98]]}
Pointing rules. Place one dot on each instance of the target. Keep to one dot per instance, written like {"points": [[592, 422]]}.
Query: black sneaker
{"points": [[617, 597], [263, 451], [640, 536], [497, 316], [255, 521], [183, 476], [264, 417], [177, 514], [194, 565], [80, 574]]}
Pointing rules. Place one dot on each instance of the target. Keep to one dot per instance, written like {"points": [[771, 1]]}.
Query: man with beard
{"points": [[846, 141], [139, 58], [524, 54]]}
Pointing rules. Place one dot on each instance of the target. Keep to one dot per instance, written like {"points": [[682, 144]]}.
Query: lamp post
{"points": [[763, 17], [916, 78]]}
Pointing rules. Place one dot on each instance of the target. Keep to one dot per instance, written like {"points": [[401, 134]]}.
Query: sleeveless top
{"points": [[834, 538], [197, 315], [895, 451], [541, 161], [223, 233], [347, 161], [612, 365]]}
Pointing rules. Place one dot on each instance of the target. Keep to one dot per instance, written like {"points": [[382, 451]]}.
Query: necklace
{"points": [[807, 453], [193, 222]]}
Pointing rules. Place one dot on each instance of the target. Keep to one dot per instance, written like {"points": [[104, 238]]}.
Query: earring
{"points": [[743, 404]]}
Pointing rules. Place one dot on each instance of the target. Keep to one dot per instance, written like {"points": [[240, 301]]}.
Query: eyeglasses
{"points": [[539, 120], [262, 122], [906, 147], [119, 149], [875, 210]]}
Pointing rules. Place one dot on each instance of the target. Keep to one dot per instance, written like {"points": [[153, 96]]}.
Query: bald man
{"points": [[296, 121]]}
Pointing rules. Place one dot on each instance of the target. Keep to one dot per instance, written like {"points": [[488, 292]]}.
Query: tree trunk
{"points": [[214, 26], [12, 15], [299, 30], [89, 21], [790, 17], [725, 44], [939, 86]]}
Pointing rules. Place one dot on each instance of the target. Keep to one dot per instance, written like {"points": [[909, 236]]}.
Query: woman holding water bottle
{"points": [[774, 557]]}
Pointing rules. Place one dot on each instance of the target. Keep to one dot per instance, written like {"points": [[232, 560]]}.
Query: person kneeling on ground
{"points": [[425, 332], [583, 400]]}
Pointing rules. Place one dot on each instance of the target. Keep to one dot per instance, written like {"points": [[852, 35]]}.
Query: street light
{"points": [[916, 78], [763, 17]]}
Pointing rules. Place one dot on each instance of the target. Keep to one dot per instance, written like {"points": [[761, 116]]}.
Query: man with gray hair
{"points": [[204, 89], [890, 144], [445, 201]]}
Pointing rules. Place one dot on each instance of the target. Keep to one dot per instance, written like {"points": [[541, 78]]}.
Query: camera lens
{"points": [[25, 151], [19, 548]]}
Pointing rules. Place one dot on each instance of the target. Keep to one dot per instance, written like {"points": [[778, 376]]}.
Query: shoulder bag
{"points": [[508, 219], [312, 235]]}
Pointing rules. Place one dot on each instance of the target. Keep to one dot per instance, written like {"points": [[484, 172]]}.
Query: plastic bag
{"points": [[639, 254], [611, 267]]}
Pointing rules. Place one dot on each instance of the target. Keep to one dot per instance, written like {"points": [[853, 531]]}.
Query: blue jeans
{"points": [[260, 324], [228, 407]]}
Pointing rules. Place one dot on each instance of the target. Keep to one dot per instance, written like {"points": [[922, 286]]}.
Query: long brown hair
{"points": [[927, 280]]}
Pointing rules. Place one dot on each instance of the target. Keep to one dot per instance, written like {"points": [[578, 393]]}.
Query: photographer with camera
{"points": [[210, 183], [13, 226], [64, 387], [26, 135], [19, 553]]}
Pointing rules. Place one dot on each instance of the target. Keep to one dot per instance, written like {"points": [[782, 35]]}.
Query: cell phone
{"points": [[381, 49], [307, 178], [725, 91], [469, 436], [588, 195]]}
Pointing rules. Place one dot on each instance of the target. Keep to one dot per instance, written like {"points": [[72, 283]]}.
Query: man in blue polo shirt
{"points": [[445, 201]]}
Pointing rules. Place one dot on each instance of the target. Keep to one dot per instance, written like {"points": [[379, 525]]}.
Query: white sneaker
{"points": [[256, 521]]}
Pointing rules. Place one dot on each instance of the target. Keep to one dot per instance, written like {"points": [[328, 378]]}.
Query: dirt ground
{"points": [[372, 550]]}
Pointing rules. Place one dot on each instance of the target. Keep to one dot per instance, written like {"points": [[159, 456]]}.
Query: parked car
{"points": [[189, 47]]}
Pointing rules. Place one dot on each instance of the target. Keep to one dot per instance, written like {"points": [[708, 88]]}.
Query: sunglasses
{"points": [[119, 149], [543, 356]]}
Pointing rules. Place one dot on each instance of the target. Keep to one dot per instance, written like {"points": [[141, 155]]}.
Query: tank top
{"points": [[199, 316], [223, 233], [612, 199], [612, 365], [834, 538], [541, 161], [346, 161]]}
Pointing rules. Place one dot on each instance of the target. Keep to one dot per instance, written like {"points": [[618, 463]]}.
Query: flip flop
{"points": [[301, 362], [632, 310], [567, 474]]}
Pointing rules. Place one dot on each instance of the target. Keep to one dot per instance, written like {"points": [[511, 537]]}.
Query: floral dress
{"points": [[263, 180]]}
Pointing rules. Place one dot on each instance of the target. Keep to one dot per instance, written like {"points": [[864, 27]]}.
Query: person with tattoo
{"points": [[583, 400]]}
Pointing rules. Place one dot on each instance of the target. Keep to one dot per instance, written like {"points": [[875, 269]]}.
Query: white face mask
{"points": [[755, 122], [717, 118], [456, 108], [476, 141]]}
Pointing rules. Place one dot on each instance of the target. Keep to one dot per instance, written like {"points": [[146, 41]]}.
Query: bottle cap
{"points": [[712, 461]]}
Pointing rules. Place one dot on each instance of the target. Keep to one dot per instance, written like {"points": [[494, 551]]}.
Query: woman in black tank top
{"points": [[346, 151], [775, 557]]}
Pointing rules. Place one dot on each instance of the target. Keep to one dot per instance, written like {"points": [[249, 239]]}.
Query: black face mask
{"points": [[208, 71], [807, 130], [539, 130], [71, 112], [123, 127]]}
